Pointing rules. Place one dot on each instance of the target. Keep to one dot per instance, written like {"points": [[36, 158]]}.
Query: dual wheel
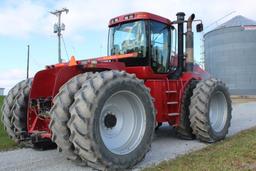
{"points": [[14, 111], [105, 120], [205, 111]]}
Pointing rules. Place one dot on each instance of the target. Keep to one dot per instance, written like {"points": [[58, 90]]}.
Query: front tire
{"points": [[60, 114], [112, 121], [210, 110]]}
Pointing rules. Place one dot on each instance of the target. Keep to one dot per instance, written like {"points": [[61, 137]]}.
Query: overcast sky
{"points": [[26, 22]]}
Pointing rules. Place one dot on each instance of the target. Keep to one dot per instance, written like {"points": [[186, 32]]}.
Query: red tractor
{"points": [[103, 112]]}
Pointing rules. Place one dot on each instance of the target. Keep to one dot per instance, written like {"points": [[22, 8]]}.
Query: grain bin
{"points": [[1, 91], [230, 54]]}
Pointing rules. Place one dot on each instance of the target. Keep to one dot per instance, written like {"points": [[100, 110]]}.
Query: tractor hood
{"points": [[104, 62]]}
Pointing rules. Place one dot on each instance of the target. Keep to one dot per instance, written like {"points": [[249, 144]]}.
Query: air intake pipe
{"points": [[180, 21], [190, 45]]}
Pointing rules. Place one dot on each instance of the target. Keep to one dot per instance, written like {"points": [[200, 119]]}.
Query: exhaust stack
{"points": [[180, 67], [190, 45]]}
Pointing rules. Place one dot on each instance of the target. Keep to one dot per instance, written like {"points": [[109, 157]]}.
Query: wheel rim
{"points": [[122, 122], [218, 111]]}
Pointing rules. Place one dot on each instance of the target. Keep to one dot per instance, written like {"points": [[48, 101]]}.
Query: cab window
{"points": [[160, 47]]}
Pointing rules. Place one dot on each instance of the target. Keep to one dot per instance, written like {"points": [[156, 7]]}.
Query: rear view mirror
{"points": [[199, 27]]}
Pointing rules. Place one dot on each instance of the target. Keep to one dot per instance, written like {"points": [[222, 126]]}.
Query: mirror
{"points": [[199, 27]]}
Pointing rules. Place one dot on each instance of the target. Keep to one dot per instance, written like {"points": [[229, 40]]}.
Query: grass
{"points": [[5, 142], [234, 153]]}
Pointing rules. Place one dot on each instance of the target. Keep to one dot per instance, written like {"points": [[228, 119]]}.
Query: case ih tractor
{"points": [[103, 111]]}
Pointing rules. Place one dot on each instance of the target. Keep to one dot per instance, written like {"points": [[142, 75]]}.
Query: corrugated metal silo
{"points": [[230, 54], [1, 91]]}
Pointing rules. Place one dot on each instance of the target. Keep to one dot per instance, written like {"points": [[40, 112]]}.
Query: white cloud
{"points": [[94, 15], [208, 11], [10, 77], [20, 18], [90, 15], [25, 17]]}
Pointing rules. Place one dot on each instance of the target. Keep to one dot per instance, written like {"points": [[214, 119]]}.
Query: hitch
{"points": [[40, 143]]}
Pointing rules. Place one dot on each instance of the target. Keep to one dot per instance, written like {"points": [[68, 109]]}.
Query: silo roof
{"points": [[237, 21]]}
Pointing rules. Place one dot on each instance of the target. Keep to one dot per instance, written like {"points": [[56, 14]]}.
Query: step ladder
{"points": [[173, 105]]}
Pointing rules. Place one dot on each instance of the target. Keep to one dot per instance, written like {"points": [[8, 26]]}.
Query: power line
{"points": [[65, 47], [216, 21], [202, 60], [35, 62]]}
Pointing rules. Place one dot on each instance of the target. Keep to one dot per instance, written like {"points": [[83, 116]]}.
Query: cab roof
{"points": [[138, 16]]}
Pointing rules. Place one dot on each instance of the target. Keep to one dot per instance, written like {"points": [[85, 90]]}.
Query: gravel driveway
{"points": [[165, 146]]}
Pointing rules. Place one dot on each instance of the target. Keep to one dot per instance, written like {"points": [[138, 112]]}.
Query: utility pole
{"points": [[28, 61], [58, 27]]}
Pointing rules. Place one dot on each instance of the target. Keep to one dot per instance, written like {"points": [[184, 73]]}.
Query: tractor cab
{"points": [[150, 37], [146, 34]]}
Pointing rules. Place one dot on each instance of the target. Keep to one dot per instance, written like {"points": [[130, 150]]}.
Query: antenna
{"points": [[58, 27], [28, 61]]}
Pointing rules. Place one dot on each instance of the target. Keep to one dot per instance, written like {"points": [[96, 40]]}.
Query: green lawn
{"points": [[5, 142], [235, 153]]}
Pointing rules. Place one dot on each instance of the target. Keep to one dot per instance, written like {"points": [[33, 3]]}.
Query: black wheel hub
{"points": [[110, 120]]}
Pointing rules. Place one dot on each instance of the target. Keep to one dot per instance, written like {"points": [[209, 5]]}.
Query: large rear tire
{"points": [[184, 129], [14, 110], [112, 121], [210, 110], [60, 115]]}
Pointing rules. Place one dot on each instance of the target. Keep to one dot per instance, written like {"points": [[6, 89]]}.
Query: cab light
{"points": [[131, 16], [127, 17], [116, 19]]}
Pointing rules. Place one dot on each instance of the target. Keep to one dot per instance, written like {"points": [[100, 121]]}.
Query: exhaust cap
{"points": [[180, 16], [190, 45]]}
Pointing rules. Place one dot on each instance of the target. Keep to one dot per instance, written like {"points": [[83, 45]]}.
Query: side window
{"points": [[160, 47], [174, 57]]}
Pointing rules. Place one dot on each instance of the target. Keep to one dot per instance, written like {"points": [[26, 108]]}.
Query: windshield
{"points": [[128, 38]]}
